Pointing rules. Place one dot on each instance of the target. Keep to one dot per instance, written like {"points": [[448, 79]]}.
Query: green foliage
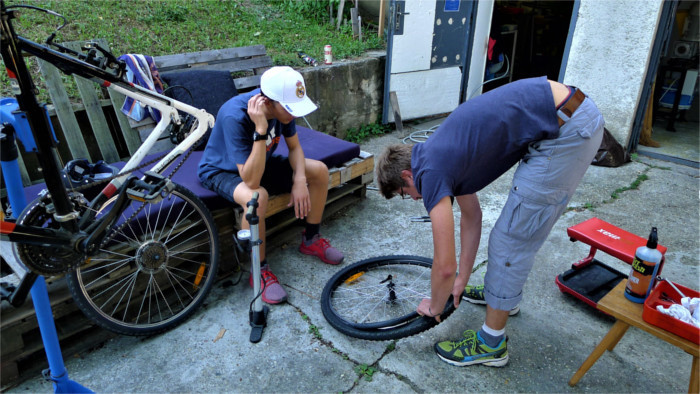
{"points": [[366, 371], [313, 329], [633, 186], [364, 132], [157, 28], [317, 10]]}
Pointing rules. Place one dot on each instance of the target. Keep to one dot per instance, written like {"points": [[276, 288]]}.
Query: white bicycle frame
{"points": [[169, 113]]}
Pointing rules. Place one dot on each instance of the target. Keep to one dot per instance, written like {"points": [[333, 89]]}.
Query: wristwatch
{"points": [[257, 136]]}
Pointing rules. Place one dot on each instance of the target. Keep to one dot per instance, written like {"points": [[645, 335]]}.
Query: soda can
{"points": [[328, 54]]}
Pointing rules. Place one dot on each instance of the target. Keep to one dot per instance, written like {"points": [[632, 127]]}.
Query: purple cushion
{"points": [[322, 147], [319, 146]]}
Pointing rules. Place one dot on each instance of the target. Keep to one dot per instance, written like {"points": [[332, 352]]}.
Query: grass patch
{"points": [[633, 186], [157, 28]]}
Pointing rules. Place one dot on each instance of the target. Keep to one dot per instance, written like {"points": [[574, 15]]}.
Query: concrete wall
{"points": [[349, 93], [609, 57]]}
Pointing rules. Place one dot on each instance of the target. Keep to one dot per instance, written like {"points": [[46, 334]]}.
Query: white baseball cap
{"points": [[285, 85]]}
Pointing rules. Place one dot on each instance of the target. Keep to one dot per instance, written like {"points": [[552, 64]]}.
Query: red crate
{"points": [[659, 296]]}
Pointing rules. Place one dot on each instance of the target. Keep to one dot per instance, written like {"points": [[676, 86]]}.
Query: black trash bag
{"points": [[610, 153]]}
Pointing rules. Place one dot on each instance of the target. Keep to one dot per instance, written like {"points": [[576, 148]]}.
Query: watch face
{"points": [[258, 137]]}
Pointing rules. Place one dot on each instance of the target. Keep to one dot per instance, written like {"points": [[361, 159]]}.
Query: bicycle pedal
{"points": [[152, 188]]}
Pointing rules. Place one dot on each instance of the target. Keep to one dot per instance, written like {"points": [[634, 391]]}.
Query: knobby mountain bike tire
{"points": [[155, 272], [376, 299]]}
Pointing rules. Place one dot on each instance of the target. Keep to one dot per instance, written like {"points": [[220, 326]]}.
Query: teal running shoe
{"points": [[472, 350], [475, 295]]}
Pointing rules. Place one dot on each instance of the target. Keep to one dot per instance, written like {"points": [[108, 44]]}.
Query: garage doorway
{"points": [[667, 127], [528, 39]]}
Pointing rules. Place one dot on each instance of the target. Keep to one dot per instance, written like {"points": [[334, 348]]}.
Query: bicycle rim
{"points": [[376, 299], [155, 272]]}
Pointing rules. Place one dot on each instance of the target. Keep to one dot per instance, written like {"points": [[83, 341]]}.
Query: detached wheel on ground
{"points": [[376, 299], [155, 271]]}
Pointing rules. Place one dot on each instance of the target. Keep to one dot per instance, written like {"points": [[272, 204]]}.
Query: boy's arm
{"points": [[300, 197]]}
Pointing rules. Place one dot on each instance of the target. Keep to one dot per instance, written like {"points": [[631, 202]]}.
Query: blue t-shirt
{"points": [[231, 139], [482, 139]]}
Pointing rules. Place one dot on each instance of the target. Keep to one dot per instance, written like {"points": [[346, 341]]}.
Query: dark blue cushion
{"points": [[210, 89]]}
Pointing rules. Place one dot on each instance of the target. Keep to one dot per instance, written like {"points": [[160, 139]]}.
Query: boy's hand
{"points": [[257, 111], [425, 310]]}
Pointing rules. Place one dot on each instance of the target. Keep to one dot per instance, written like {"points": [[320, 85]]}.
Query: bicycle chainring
{"points": [[48, 260]]}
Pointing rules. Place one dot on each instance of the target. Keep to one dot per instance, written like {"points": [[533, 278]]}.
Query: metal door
{"points": [[428, 47]]}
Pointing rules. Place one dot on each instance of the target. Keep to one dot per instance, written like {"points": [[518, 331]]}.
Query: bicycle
{"points": [[142, 255], [376, 298]]}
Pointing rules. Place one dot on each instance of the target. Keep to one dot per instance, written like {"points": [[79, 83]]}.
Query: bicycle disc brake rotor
{"points": [[48, 260]]}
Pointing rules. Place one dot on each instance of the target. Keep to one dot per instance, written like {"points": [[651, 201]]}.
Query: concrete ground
{"points": [[301, 352]]}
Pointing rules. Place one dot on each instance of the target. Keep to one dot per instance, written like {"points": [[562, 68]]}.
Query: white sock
{"points": [[492, 332]]}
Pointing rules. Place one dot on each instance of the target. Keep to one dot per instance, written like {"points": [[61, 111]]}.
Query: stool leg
{"points": [[607, 343], [693, 388]]}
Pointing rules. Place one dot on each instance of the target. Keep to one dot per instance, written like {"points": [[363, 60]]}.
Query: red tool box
{"points": [[589, 279], [664, 295]]}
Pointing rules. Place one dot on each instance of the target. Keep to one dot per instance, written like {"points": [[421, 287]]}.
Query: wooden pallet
{"points": [[22, 350]]}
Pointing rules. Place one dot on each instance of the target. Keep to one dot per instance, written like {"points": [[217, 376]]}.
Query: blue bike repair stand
{"points": [[40, 295]]}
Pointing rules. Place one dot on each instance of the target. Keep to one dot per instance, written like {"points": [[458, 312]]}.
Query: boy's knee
{"points": [[242, 195], [316, 171]]}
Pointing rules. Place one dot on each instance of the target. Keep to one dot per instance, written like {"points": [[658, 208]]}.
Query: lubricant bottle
{"points": [[644, 267]]}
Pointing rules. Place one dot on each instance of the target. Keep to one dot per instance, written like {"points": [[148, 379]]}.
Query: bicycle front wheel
{"points": [[155, 271], [376, 299]]}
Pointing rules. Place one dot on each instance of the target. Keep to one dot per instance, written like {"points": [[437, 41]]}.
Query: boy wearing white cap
{"points": [[238, 161]]}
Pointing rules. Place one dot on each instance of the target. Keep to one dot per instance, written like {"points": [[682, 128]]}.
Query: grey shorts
{"points": [[277, 179], [543, 184]]}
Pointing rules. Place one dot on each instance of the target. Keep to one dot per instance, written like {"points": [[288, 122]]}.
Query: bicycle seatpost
{"points": [[258, 314]]}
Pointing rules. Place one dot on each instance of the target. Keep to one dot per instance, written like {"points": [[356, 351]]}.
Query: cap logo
{"points": [[300, 89]]}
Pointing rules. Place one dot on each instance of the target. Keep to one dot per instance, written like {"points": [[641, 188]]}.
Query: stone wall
{"points": [[349, 93]]}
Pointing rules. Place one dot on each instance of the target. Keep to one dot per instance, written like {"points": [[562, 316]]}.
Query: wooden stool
{"points": [[629, 314]]}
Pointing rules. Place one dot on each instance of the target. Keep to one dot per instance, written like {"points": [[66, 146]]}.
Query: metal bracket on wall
{"points": [[399, 12]]}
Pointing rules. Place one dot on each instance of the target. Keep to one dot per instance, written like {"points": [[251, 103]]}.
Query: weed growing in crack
{"points": [[366, 371], [313, 329]]}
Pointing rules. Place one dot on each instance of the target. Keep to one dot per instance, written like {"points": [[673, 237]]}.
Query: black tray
{"points": [[590, 282]]}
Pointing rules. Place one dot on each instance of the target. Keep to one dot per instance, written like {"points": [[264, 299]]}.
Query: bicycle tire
{"points": [[129, 289], [375, 314]]}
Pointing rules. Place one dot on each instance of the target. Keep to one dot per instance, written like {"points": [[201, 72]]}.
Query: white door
{"points": [[427, 51]]}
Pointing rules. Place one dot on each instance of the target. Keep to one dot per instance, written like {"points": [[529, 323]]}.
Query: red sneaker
{"points": [[273, 292], [321, 248]]}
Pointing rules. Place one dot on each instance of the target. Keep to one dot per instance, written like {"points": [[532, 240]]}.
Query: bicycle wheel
{"points": [[157, 269], [376, 299]]}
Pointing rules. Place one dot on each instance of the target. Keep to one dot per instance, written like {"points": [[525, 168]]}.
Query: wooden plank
{"points": [[231, 66], [190, 59], [98, 121], [397, 111], [64, 111], [340, 13], [349, 171], [131, 136], [382, 12], [354, 18], [247, 83]]}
